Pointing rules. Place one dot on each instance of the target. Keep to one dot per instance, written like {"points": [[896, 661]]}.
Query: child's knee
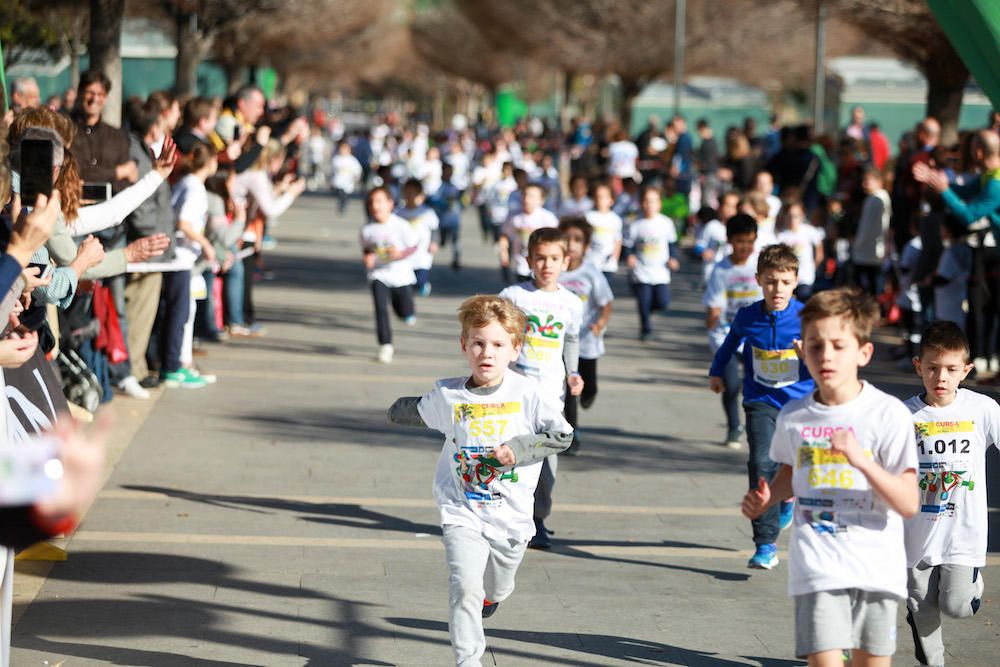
{"points": [[465, 589], [957, 606]]}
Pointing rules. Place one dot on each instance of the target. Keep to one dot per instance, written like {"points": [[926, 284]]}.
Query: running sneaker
{"points": [[734, 439], [765, 558], [541, 539], [410, 321], [384, 354], [786, 513], [180, 378], [425, 290], [489, 608]]}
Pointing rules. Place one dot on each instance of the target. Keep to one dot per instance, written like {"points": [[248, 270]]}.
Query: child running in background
{"points": [[498, 429], [807, 242], [447, 203], [951, 281], [425, 223], [578, 202], [585, 279], [731, 286], [606, 241], [769, 331], [908, 298], [386, 243], [848, 456], [519, 227], [345, 175], [651, 242], [946, 541], [551, 352]]}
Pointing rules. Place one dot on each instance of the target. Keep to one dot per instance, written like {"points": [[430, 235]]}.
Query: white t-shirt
{"points": [[622, 156], [425, 222], [499, 199], [730, 288], [804, 241], [379, 237], [518, 229], [190, 203], [844, 535], [473, 493], [346, 172], [459, 169], [954, 266], [650, 239], [551, 317], [712, 236], [951, 527], [589, 283], [607, 234], [572, 206]]}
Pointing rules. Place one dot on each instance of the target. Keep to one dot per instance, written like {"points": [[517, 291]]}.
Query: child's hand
{"points": [[596, 328], [631, 261], [673, 264], [755, 501], [844, 442], [505, 455], [716, 384], [432, 248], [392, 252], [575, 383], [800, 351]]}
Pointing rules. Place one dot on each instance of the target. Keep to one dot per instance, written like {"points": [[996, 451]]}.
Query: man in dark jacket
{"points": [[101, 150], [154, 216]]}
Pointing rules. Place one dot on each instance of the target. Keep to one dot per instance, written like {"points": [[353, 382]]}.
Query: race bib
{"points": [[481, 428], [836, 493], [945, 470], [775, 368]]}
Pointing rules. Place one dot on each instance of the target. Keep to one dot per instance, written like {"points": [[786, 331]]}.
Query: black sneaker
{"points": [[541, 539], [489, 608], [150, 382], [587, 401]]}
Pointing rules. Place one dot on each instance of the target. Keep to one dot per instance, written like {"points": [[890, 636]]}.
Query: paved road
{"points": [[277, 519]]}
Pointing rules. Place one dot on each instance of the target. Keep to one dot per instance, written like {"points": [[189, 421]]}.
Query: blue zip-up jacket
{"points": [[769, 359]]}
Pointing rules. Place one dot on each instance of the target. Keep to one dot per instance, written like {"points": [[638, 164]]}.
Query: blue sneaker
{"points": [[765, 558], [787, 514]]}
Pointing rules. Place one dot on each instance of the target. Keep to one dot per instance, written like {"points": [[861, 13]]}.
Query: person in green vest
{"points": [[826, 173]]}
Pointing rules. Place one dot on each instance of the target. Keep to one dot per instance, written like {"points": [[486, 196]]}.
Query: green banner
{"points": [[3, 83], [973, 28]]}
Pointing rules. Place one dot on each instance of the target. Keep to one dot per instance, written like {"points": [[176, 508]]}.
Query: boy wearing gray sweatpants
{"points": [[498, 430]]}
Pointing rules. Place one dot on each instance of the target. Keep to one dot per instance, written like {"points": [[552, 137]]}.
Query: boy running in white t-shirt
{"points": [[584, 279], [807, 242], [514, 242], [651, 242], [386, 244], [498, 428], [606, 241], [946, 540], [848, 455], [731, 286], [551, 353], [425, 223]]}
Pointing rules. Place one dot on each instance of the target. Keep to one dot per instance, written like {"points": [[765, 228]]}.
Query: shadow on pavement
{"points": [[598, 646]]}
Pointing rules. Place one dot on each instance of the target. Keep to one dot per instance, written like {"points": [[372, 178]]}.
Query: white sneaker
{"points": [[385, 354], [131, 387]]}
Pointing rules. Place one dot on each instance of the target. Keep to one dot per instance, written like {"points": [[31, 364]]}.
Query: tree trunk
{"points": [[946, 78], [191, 48], [105, 52], [630, 88]]}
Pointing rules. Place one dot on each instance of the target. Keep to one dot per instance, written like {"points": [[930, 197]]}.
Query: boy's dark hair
{"points": [[778, 257], [650, 188], [577, 222], [858, 310], [141, 115], [741, 223], [94, 76], [546, 235], [535, 185], [707, 214], [413, 184], [597, 185], [956, 229], [873, 172], [944, 336]]}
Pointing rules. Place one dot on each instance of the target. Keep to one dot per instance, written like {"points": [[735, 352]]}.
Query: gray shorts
{"points": [[843, 620]]}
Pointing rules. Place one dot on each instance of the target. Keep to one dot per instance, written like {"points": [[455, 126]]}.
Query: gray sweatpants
{"points": [[546, 484], [479, 569], [953, 589]]}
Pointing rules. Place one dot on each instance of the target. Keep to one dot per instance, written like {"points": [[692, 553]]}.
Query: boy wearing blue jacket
{"points": [[770, 333]]}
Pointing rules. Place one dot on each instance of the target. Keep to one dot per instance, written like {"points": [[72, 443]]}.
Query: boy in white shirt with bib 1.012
{"points": [[551, 353], [946, 541], [847, 454], [498, 429]]}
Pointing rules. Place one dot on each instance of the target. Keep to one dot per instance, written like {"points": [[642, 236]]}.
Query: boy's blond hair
{"points": [[858, 310], [547, 235], [483, 309], [779, 257]]}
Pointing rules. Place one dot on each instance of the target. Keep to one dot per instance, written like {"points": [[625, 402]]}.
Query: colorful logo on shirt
{"points": [[550, 329], [469, 411], [940, 483], [481, 471]]}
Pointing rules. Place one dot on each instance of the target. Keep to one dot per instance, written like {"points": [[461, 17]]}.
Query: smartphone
{"points": [[96, 192], [43, 269], [36, 170], [29, 471]]}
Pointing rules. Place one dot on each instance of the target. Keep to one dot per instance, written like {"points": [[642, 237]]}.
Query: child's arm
{"points": [[368, 257], [602, 321], [712, 317], [759, 500], [404, 411], [526, 449], [898, 491], [725, 352], [571, 360]]}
